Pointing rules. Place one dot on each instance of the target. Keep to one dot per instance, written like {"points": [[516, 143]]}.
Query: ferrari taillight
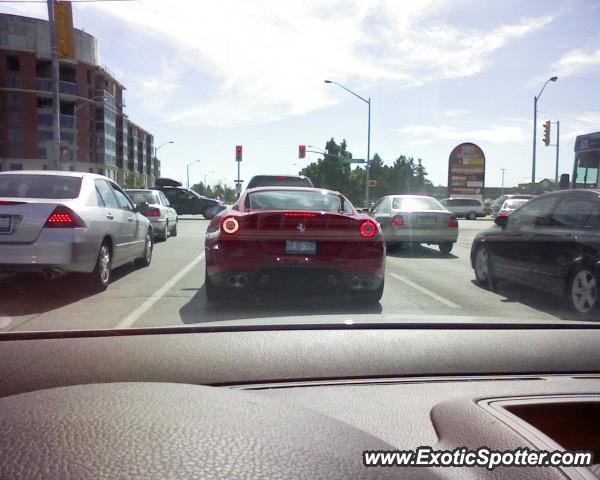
{"points": [[368, 229], [230, 225]]}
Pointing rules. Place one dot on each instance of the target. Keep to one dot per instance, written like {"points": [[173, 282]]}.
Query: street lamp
{"points": [[535, 102], [156, 149], [206, 175], [368, 102], [188, 171], [502, 188]]}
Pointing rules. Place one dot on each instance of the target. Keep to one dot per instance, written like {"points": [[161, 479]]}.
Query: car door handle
{"points": [[110, 216], [130, 219]]}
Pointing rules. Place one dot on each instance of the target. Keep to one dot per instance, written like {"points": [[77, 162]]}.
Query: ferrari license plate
{"points": [[298, 247], [4, 224]]}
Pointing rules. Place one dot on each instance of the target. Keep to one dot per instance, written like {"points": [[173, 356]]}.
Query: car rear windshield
{"points": [[141, 197], [39, 186], [294, 200], [412, 203], [279, 181], [514, 203]]}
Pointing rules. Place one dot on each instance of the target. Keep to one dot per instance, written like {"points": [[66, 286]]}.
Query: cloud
{"points": [[456, 112], [501, 134], [263, 61], [576, 62]]}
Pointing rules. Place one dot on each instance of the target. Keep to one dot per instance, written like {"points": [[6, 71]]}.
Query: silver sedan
{"points": [[59, 222], [154, 205], [416, 219]]}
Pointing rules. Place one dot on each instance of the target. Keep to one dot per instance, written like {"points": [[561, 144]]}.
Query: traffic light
{"points": [[302, 151], [547, 133], [238, 153]]}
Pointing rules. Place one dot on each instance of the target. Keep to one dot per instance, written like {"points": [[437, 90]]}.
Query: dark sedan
{"points": [[189, 202], [551, 243]]}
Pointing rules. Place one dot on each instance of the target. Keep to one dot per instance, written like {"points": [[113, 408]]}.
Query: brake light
{"points": [[64, 217], [6, 202], [503, 214], [281, 177], [368, 229], [300, 214], [453, 222], [230, 225], [398, 222], [152, 212]]}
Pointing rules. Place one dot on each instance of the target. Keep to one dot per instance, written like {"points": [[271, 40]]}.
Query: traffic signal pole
{"points": [[557, 150]]}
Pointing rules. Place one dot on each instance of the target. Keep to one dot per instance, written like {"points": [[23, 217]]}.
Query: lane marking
{"points": [[133, 317], [425, 291]]}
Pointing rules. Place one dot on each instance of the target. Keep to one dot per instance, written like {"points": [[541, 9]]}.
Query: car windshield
{"points": [[416, 203], [294, 200], [308, 163], [39, 186], [141, 197]]}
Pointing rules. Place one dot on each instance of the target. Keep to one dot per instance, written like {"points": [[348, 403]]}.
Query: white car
{"points": [[55, 222], [470, 208], [156, 207]]}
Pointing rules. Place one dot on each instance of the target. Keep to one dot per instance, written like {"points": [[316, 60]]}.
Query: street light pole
{"points": [[206, 175], [55, 89], [557, 148], [156, 149], [188, 172], [535, 102], [502, 188], [368, 160]]}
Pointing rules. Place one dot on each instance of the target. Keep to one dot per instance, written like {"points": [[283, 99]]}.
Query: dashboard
{"points": [[276, 402]]}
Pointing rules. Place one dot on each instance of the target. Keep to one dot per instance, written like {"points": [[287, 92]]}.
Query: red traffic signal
{"points": [[547, 133], [238, 153], [302, 151]]}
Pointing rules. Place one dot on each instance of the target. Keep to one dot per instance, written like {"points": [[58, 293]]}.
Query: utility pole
{"points": [[502, 188], [557, 150], [55, 90]]}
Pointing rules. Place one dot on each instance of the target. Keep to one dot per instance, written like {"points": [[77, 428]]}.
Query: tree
{"points": [[405, 175], [226, 192]]}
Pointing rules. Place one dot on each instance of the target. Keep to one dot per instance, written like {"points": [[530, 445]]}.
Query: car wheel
{"points": [[583, 291], [213, 293], [174, 230], [471, 216], [483, 268], [100, 277], [165, 233], [209, 213], [145, 260], [446, 247], [394, 246], [370, 298]]}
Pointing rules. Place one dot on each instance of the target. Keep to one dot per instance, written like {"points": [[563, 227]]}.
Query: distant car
{"points": [[55, 222], [551, 243], [469, 208], [188, 202], [497, 205], [416, 219], [292, 239], [154, 205], [510, 206], [279, 181]]}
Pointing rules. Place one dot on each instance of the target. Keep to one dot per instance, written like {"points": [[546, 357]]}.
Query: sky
{"points": [[211, 75]]}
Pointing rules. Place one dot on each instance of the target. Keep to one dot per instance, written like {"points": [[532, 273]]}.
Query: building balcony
{"points": [[45, 85]]}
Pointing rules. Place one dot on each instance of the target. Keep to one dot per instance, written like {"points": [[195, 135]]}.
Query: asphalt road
{"points": [[421, 285]]}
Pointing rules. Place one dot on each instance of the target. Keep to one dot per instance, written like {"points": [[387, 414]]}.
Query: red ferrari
{"points": [[294, 240]]}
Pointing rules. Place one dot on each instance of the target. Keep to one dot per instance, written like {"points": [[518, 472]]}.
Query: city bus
{"points": [[587, 161]]}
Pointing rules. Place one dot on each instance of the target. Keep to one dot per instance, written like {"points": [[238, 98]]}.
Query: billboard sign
{"points": [[65, 39], [466, 171]]}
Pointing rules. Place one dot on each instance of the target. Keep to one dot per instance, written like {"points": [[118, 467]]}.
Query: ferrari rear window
{"points": [[39, 186], [294, 200]]}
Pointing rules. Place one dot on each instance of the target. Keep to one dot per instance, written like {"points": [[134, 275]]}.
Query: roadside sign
{"points": [[466, 171]]}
